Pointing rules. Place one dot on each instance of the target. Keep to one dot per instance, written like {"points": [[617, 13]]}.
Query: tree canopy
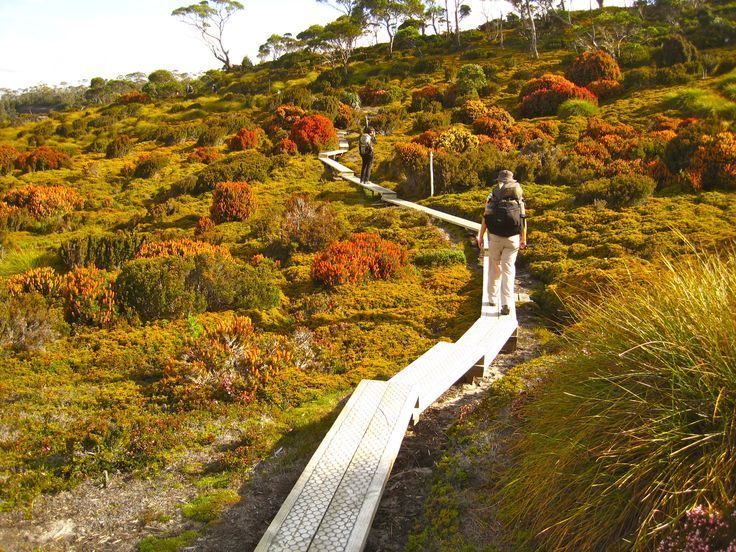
{"points": [[210, 17]]}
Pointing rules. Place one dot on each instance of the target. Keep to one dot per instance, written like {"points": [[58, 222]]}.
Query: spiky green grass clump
{"points": [[697, 102], [636, 425]]}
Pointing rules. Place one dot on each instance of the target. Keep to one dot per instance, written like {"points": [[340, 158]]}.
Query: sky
{"points": [[70, 41]]}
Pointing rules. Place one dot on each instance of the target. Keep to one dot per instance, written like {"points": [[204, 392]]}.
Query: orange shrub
{"points": [[542, 96], [616, 145], [372, 96], [134, 97], [622, 166], [42, 280], [232, 362], [43, 158], [11, 217], [286, 146], [8, 157], [428, 139], [605, 88], [413, 160], [598, 127], [346, 115], [500, 114], [88, 296], [590, 148], [356, 259], [204, 155], [247, 139], [500, 143], [663, 122], [313, 134], [593, 66], [205, 225], [182, 248], [286, 115], [232, 201], [422, 96], [491, 127], [43, 201], [714, 163]]}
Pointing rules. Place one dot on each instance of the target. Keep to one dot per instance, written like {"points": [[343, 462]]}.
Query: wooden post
{"points": [[431, 174]]}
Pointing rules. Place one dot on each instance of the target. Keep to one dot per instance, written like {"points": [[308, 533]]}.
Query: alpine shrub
{"points": [[286, 146], [149, 165], [134, 97], [285, 116], [543, 96], [157, 287], [27, 323], [179, 248], [44, 281], [247, 139], [204, 155], [119, 146], [363, 255], [421, 98], [674, 50], [232, 201], [311, 225], [314, 133], [8, 156], [618, 191], [439, 257], [40, 202], [605, 88], [593, 66], [89, 297], [43, 158], [232, 362], [250, 165], [107, 252], [714, 163]]}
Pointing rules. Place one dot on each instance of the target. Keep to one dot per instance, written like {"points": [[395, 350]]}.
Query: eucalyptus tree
{"points": [[526, 10], [209, 18], [336, 41], [389, 14]]}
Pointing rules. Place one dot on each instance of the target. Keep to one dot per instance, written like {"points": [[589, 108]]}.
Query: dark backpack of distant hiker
{"points": [[365, 145], [504, 217]]}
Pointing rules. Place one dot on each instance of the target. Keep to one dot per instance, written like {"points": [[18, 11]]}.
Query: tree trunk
{"points": [[600, 4], [457, 24], [447, 16], [533, 30]]}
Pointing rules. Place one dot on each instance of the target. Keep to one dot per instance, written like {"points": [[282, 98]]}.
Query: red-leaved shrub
{"points": [[544, 95], [247, 139], [43, 201], [232, 201], [286, 146], [43, 158], [356, 259], [593, 66], [314, 133], [204, 155]]}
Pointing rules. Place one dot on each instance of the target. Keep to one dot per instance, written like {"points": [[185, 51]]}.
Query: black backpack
{"points": [[504, 218]]}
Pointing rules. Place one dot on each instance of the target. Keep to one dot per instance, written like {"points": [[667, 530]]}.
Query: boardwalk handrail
{"points": [[332, 505]]}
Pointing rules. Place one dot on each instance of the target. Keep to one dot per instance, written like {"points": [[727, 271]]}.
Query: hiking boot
{"points": [[505, 310]]}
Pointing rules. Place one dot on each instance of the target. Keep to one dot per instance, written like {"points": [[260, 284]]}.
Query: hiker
{"points": [[505, 220], [365, 148]]}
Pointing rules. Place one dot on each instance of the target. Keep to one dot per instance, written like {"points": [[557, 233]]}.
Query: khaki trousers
{"points": [[502, 271]]}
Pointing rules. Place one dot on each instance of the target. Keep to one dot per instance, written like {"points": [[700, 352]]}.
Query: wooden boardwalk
{"points": [[332, 505]]}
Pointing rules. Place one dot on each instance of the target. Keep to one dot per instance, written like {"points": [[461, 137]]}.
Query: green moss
{"points": [[167, 544], [208, 507]]}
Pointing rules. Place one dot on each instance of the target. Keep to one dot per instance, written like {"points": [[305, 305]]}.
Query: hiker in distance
{"points": [[505, 220], [365, 148]]}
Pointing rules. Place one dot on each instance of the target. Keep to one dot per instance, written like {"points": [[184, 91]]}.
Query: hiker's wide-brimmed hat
{"points": [[505, 177]]}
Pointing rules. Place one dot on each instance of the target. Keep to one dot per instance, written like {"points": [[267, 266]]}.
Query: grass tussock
{"points": [[697, 102], [635, 426]]}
